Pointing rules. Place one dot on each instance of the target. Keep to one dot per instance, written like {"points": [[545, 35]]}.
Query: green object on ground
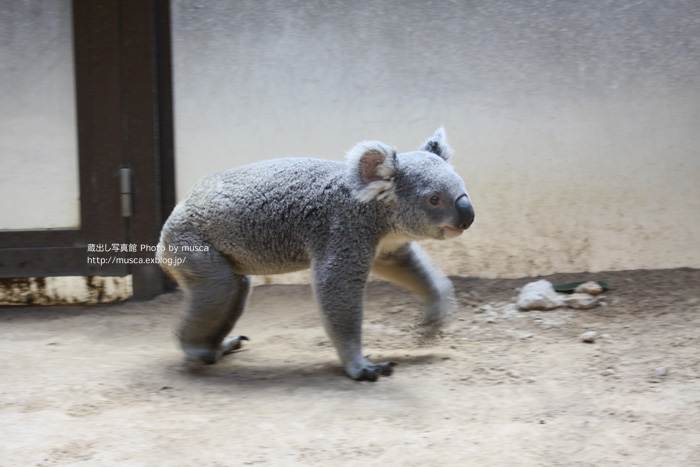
{"points": [[569, 288]]}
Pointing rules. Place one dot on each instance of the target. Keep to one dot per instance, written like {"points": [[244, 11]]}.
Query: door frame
{"points": [[123, 84]]}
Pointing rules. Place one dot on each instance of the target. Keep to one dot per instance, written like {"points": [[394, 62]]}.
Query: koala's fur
{"points": [[341, 219]]}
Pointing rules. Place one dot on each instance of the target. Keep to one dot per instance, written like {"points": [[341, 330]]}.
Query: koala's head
{"points": [[427, 196]]}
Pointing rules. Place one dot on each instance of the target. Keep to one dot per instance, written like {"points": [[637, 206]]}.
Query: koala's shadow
{"points": [[327, 375]]}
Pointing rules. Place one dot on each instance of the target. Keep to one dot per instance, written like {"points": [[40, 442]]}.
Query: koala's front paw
{"points": [[372, 371], [441, 311], [427, 335]]}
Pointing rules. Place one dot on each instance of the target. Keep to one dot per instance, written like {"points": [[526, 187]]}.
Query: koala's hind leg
{"points": [[410, 267], [215, 297]]}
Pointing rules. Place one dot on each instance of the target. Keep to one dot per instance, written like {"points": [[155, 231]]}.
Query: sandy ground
{"points": [[107, 385]]}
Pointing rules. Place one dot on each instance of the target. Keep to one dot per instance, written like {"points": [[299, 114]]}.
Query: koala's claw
{"points": [[231, 344], [200, 355], [373, 372]]}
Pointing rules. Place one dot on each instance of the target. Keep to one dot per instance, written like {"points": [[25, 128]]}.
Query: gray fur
{"points": [[341, 219]]}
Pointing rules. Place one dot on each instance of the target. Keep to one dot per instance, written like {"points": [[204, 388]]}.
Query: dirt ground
{"points": [[107, 385]]}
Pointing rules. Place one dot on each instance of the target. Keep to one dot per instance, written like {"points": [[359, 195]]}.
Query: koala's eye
{"points": [[435, 200]]}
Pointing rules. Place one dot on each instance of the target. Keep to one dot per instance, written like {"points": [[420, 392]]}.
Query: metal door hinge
{"points": [[125, 190]]}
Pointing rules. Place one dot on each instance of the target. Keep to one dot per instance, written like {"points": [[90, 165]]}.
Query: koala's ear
{"points": [[372, 167], [437, 144]]}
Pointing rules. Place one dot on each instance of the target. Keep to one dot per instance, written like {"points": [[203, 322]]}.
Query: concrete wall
{"points": [[576, 124]]}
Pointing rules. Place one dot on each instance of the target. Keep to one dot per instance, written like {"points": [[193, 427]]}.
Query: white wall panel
{"points": [[575, 123], [38, 137]]}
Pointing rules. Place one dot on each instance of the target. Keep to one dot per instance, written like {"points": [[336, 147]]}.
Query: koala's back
{"points": [[266, 217]]}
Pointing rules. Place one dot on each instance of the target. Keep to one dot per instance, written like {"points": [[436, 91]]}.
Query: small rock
{"points": [[661, 372], [539, 295], [608, 372], [580, 301], [589, 337], [590, 287]]}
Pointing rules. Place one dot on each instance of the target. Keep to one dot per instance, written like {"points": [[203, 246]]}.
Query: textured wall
{"points": [[576, 124]]}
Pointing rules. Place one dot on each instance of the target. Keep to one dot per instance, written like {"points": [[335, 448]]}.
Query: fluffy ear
{"points": [[372, 167], [437, 144]]}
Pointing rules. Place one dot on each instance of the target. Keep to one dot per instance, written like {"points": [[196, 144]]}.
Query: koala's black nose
{"points": [[465, 212]]}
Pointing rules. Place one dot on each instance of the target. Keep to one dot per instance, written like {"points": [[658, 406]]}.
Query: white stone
{"points": [[580, 301], [539, 295], [589, 287], [589, 337]]}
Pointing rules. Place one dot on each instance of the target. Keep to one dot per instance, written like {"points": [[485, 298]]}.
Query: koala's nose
{"points": [[465, 212]]}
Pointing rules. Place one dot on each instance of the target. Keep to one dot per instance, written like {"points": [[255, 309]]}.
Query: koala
{"points": [[341, 219]]}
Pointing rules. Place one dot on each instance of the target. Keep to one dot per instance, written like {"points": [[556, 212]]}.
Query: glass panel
{"points": [[38, 137]]}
